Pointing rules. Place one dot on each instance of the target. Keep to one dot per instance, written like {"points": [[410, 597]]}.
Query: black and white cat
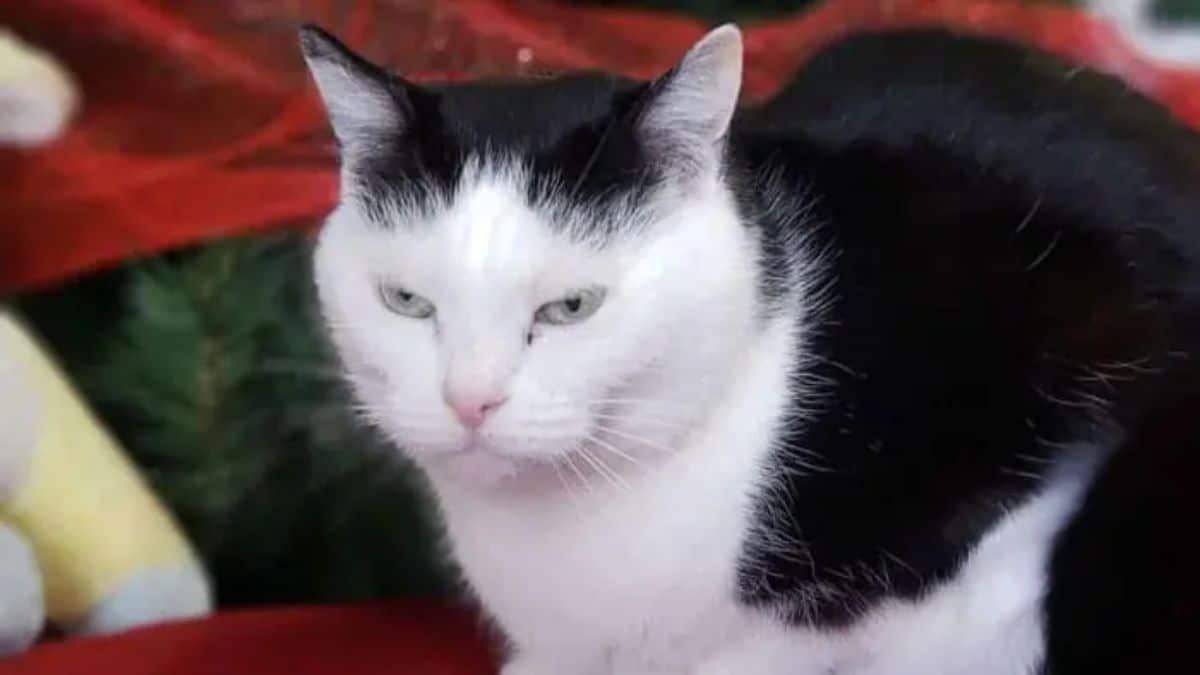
{"points": [[890, 376]]}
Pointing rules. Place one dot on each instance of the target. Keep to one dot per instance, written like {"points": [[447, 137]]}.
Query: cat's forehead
{"points": [[490, 219], [486, 243]]}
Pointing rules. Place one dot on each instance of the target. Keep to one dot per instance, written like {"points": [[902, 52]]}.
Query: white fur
{"points": [[487, 265], [985, 621], [601, 511]]}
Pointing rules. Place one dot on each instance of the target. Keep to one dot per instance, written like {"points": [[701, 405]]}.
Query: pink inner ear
{"points": [[692, 105]]}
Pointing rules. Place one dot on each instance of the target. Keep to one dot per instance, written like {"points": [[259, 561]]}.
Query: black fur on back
{"points": [[1013, 264]]}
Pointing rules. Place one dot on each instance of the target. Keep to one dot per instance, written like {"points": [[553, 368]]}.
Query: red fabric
{"points": [[199, 120], [373, 639]]}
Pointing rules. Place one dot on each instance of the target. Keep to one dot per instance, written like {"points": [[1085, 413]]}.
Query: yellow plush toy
{"points": [[84, 543]]}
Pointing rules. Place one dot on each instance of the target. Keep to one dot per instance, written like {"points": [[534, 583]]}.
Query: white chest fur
{"points": [[640, 581], [645, 574]]}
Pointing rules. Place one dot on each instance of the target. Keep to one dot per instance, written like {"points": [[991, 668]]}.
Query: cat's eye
{"points": [[404, 302], [575, 307]]}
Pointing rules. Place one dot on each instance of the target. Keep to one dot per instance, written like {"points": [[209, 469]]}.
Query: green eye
{"points": [[404, 303], [575, 307]]}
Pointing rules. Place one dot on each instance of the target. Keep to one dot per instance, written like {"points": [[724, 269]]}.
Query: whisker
{"points": [[578, 474], [562, 478], [616, 475], [603, 469], [1037, 204], [638, 419], [590, 461], [643, 441], [534, 435], [1044, 254], [550, 429], [615, 450], [655, 403]]}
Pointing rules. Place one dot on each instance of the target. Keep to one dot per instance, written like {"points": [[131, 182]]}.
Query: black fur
{"points": [[1014, 246]]}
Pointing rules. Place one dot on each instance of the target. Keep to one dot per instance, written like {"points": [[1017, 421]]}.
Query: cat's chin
{"points": [[478, 467], [484, 469]]}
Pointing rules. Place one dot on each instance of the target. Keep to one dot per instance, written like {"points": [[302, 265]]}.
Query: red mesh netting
{"points": [[199, 120]]}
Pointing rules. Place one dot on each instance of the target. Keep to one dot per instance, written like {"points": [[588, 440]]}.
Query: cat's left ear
{"points": [[688, 111], [365, 104]]}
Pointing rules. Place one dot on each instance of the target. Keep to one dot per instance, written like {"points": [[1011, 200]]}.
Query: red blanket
{"points": [[371, 639], [199, 120]]}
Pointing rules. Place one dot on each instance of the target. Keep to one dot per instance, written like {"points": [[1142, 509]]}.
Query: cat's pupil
{"points": [[573, 304], [403, 296]]}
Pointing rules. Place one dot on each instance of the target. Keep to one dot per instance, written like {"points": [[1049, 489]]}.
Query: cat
{"points": [[890, 375]]}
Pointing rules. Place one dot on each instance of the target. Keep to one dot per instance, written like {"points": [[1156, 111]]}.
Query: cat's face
{"points": [[530, 295]]}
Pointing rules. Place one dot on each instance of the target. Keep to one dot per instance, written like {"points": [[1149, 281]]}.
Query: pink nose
{"points": [[472, 411]]}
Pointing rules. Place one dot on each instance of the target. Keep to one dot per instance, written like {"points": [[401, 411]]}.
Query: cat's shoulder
{"points": [[1023, 124], [945, 85]]}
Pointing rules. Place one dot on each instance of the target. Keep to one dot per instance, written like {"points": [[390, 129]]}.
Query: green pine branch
{"points": [[1177, 11], [211, 368]]}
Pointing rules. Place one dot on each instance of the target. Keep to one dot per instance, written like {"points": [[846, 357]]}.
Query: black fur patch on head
{"points": [[414, 170], [592, 148], [573, 137]]}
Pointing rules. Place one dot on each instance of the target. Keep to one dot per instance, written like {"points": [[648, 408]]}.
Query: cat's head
{"points": [[533, 276]]}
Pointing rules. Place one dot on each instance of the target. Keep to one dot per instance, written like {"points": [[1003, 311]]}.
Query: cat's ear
{"points": [[688, 111], [364, 103]]}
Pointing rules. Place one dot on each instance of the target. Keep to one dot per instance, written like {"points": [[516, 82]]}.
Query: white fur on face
{"points": [[603, 395]]}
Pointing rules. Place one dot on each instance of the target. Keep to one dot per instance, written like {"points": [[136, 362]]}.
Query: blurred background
{"points": [[157, 244]]}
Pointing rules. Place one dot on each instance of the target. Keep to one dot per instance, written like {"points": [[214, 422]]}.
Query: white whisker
{"points": [[615, 450], [603, 469], [638, 419], [649, 403], [534, 435], [562, 478], [569, 457], [648, 443]]}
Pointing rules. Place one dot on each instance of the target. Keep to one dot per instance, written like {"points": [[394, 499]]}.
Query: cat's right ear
{"points": [[689, 109], [364, 103]]}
